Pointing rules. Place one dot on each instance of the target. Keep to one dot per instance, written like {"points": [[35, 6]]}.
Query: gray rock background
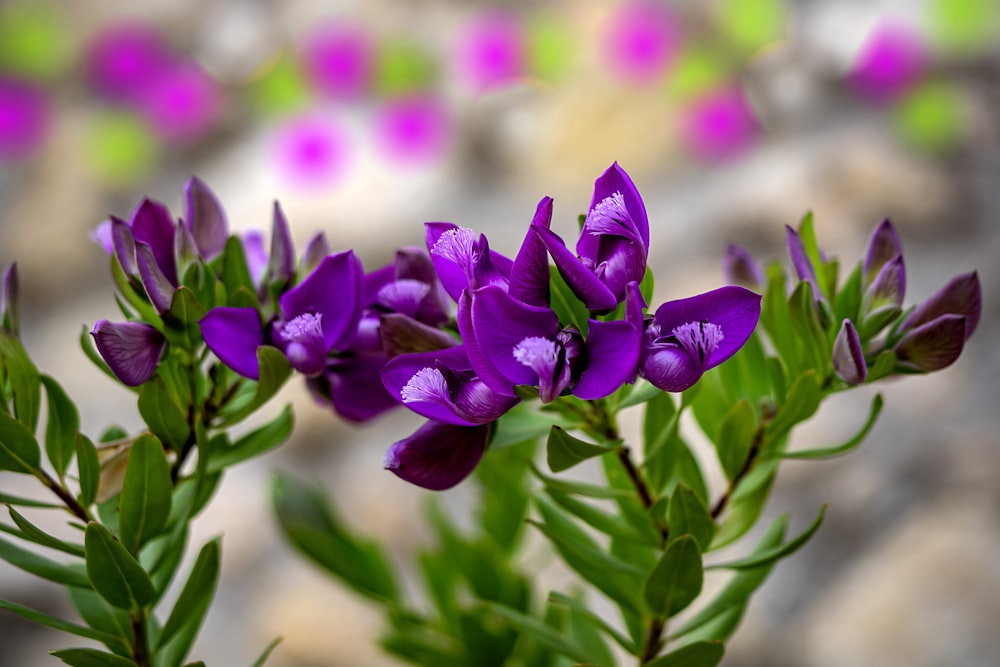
{"points": [[906, 569]]}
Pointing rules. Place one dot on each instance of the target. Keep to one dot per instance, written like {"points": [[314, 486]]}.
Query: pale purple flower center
{"points": [[404, 295], [611, 217], [457, 245], [699, 338], [537, 353], [427, 384], [304, 328]]}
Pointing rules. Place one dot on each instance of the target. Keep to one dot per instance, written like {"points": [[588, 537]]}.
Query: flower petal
{"points": [[158, 288], [132, 350], [961, 296], [151, 224], [888, 288], [848, 357], [883, 247], [462, 261], [234, 334], [501, 324], [316, 249], [332, 291], [123, 243], [933, 345], [740, 268], [438, 456], [482, 364], [416, 381], [9, 300], [101, 235], [671, 368], [281, 265], [734, 309], [529, 276], [613, 354], [582, 280], [256, 256], [615, 179], [804, 268], [402, 335], [205, 218], [353, 387]]}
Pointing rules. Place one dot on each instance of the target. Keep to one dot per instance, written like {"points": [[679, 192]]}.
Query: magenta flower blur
{"points": [[491, 50], [123, 59], [183, 103], [132, 350], [891, 62], [317, 316], [640, 41], [438, 456], [613, 244], [310, 151], [339, 60], [414, 129], [689, 336], [511, 343], [24, 118], [719, 125]]}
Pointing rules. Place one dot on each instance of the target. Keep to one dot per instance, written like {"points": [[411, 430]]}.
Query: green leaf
{"points": [[88, 469], [605, 522], [523, 423], [135, 297], [597, 621], [677, 578], [33, 533], [274, 371], [564, 451], [885, 364], [580, 488], [146, 494], [735, 437], [91, 657], [689, 516], [24, 379], [57, 623], [61, 427], [19, 451], [813, 342], [311, 525], [745, 507], [829, 452], [255, 443], [182, 329], [7, 499], [801, 403], [641, 392], [162, 414], [40, 566], [740, 586], [848, 303], [266, 653], [777, 553], [698, 654], [113, 572], [776, 321], [565, 303], [542, 633], [192, 604], [235, 274], [101, 616]]}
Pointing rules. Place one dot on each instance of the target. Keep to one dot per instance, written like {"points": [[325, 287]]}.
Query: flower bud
{"points": [[740, 268], [9, 320], [132, 350], [934, 345], [848, 357]]}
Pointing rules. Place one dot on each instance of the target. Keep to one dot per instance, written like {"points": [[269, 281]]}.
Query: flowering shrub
{"points": [[497, 353]]}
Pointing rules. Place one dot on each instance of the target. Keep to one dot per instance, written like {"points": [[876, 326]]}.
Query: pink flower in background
{"points": [[640, 41], [183, 103], [491, 50], [24, 118], [414, 129], [124, 59], [891, 61], [719, 125], [339, 60], [310, 151]]}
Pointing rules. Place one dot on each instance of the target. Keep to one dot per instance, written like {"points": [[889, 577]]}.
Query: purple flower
{"points": [[613, 244], [463, 261], [935, 332], [511, 343], [132, 350], [740, 268], [802, 263], [442, 385], [848, 356], [438, 456], [883, 272], [9, 302], [205, 218], [688, 337], [316, 317], [352, 386]]}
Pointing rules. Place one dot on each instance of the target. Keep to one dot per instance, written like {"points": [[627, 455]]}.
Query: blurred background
{"points": [[734, 117]]}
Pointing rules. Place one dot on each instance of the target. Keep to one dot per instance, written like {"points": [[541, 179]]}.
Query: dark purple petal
{"points": [[158, 288], [9, 301], [489, 267], [132, 350], [620, 262], [800, 261], [501, 324], [416, 381], [234, 334], [581, 279], [735, 310], [529, 276], [613, 355], [671, 368], [316, 249], [151, 224], [883, 247], [373, 282], [888, 288], [635, 304], [256, 256], [740, 268], [438, 456], [352, 386], [332, 291], [933, 345], [400, 334], [185, 248], [478, 404], [282, 261], [205, 218], [615, 180], [415, 264], [961, 296], [848, 357], [403, 296], [463, 261], [123, 243], [301, 339], [453, 276], [101, 235], [482, 364]]}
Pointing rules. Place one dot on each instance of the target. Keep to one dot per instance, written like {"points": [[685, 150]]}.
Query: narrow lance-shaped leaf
{"points": [[33, 533], [543, 634], [113, 572], [61, 427], [777, 553], [677, 578], [255, 443], [43, 567], [274, 371], [57, 623], [24, 379], [92, 657], [19, 451], [146, 494], [564, 451], [698, 654], [89, 469], [828, 452], [689, 516], [735, 437], [193, 602], [162, 414]]}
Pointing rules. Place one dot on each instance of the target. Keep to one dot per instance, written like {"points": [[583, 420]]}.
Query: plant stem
{"points": [[652, 644], [140, 644], [71, 503], [758, 439]]}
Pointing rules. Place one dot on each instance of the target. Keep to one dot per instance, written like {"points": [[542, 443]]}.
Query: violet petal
{"points": [[123, 243], [933, 345], [804, 268], [614, 180], [234, 334], [529, 276], [158, 288], [671, 368], [613, 353], [888, 288], [185, 248], [9, 300], [353, 387], [961, 296], [151, 224], [883, 247], [332, 291], [501, 324], [582, 280], [282, 261], [848, 357], [101, 235], [740, 268], [438, 456], [316, 249], [205, 218], [256, 256], [132, 350], [482, 364], [403, 335]]}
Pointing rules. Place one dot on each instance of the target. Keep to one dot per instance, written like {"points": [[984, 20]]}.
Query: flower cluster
{"points": [[458, 333]]}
